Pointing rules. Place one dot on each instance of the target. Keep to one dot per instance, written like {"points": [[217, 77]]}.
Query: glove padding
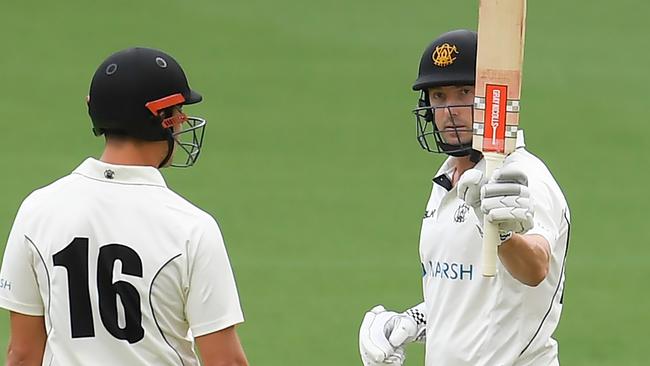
{"points": [[504, 199], [383, 335], [469, 187]]}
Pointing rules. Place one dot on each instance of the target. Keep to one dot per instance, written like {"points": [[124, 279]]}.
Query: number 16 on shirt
{"points": [[501, 31]]}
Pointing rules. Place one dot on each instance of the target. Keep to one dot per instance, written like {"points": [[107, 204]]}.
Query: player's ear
{"points": [[87, 99]]}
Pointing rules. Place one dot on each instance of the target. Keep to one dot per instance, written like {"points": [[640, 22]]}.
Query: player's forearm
{"points": [[27, 340], [526, 257], [221, 348]]}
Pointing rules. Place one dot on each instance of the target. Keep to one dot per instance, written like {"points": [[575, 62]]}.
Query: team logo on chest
{"points": [[461, 213]]}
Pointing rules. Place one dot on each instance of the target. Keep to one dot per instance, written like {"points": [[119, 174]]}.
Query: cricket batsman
{"points": [[108, 265], [465, 318]]}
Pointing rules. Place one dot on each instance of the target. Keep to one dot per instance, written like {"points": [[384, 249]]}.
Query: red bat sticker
{"points": [[494, 137]]}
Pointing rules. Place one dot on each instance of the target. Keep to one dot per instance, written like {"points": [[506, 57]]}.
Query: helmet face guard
{"points": [[190, 136], [190, 141], [432, 139]]}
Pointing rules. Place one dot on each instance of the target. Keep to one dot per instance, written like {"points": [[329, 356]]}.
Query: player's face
{"points": [[453, 112]]}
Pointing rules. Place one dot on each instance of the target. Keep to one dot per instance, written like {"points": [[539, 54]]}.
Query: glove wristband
{"points": [[420, 320], [505, 236]]}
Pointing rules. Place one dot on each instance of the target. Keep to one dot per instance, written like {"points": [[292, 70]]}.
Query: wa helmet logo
{"points": [[461, 212], [444, 55]]}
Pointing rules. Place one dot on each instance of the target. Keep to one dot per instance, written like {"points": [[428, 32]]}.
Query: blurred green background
{"points": [[311, 164]]}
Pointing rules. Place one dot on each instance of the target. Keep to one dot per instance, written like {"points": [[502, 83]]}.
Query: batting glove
{"points": [[384, 334], [469, 188], [505, 200]]}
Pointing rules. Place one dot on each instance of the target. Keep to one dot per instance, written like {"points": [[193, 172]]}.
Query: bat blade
{"points": [[500, 54]]}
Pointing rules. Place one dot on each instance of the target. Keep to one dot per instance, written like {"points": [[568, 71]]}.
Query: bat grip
{"points": [[490, 230]]}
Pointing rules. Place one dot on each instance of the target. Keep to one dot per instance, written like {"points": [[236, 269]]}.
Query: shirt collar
{"points": [[121, 174], [444, 174]]}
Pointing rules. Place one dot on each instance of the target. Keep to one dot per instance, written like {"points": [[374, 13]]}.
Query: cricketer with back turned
{"points": [[109, 266]]}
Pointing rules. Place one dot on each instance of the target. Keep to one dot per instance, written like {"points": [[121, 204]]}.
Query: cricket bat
{"points": [[500, 54]]}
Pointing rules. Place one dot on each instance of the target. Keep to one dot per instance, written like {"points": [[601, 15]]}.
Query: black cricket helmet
{"points": [[131, 88], [450, 60]]}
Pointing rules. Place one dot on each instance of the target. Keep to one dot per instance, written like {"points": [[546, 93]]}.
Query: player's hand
{"points": [[469, 187], [383, 335], [505, 200]]}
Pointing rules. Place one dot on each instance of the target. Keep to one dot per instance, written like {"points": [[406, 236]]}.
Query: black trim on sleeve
{"points": [[49, 295], [47, 274], [566, 251], [153, 313], [443, 181]]}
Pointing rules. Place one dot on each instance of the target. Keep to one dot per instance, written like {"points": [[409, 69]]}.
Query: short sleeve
{"points": [[19, 291], [212, 300]]}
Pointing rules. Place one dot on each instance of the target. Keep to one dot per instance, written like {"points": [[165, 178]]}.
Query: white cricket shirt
{"points": [[121, 267], [478, 321]]}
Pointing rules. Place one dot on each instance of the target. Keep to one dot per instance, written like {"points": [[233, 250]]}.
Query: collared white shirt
{"points": [[478, 321], [121, 267]]}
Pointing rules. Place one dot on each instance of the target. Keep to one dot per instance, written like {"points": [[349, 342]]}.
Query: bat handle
{"points": [[490, 230]]}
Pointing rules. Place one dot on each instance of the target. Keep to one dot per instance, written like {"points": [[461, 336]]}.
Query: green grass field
{"points": [[311, 164]]}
